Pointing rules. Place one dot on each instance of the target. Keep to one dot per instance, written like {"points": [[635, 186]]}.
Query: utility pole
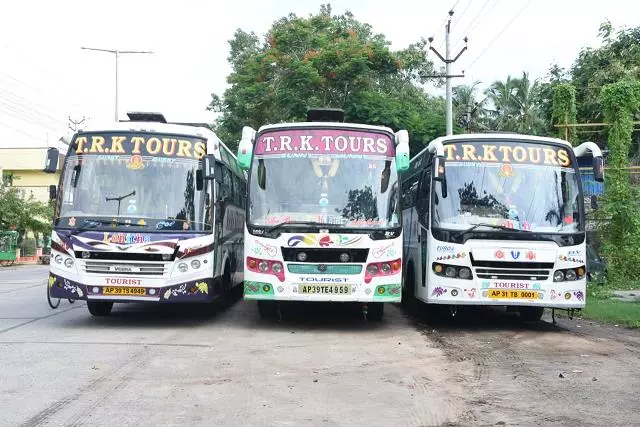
{"points": [[448, 76], [117, 53]]}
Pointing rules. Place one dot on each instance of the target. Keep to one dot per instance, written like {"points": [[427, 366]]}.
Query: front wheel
{"points": [[531, 314], [99, 308], [375, 311], [53, 302]]}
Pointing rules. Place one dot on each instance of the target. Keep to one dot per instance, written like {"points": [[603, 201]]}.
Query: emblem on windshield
{"points": [[136, 162]]}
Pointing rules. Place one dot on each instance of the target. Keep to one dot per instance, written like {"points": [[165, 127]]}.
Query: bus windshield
{"points": [[346, 179], [524, 186], [155, 191]]}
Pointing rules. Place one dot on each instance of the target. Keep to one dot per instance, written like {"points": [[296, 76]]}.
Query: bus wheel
{"points": [[99, 308], [409, 301], [268, 309], [531, 314], [375, 311]]}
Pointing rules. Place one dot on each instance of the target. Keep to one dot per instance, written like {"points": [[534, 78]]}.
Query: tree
{"points": [[23, 213], [326, 60], [470, 113], [621, 233], [564, 110], [515, 105]]}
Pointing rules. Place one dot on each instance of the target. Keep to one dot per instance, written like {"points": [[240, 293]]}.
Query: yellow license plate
{"points": [[121, 290], [508, 294], [325, 289]]}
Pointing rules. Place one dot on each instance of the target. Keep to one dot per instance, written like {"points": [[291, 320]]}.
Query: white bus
{"points": [[146, 211], [503, 226], [323, 218]]}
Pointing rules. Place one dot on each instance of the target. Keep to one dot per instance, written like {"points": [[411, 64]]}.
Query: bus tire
{"points": [[375, 311], [99, 308], [409, 301], [530, 314]]}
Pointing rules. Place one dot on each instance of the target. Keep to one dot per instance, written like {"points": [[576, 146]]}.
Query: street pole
{"points": [[448, 76], [117, 54]]}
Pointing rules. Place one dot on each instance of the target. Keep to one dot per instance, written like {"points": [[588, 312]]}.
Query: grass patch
{"points": [[602, 307]]}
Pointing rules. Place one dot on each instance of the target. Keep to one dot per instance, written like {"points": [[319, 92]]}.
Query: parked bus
{"points": [[146, 211], [323, 220], [504, 225]]}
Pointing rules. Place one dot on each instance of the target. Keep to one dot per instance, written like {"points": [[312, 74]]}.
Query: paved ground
{"points": [[148, 365]]}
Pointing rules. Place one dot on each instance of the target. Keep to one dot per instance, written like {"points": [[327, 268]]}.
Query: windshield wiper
{"points": [[309, 223], [482, 224]]}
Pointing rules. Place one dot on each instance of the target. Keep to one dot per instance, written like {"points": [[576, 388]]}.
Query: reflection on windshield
{"points": [[524, 197], [157, 189], [350, 192]]}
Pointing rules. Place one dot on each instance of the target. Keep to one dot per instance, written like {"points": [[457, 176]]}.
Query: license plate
{"points": [[508, 294], [120, 290], [325, 289]]}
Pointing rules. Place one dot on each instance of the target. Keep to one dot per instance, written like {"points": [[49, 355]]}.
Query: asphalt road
{"points": [[152, 365]]}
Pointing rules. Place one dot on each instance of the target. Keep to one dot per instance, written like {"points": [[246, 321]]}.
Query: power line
{"points": [[474, 20], [499, 34], [17, 100]]}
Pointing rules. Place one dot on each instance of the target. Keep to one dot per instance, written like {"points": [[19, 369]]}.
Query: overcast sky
{"points": [[45, 77]]}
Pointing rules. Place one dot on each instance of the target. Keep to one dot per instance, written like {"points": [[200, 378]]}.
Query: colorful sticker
{"points": [[135, 163], [263, 248], [471, 293], [324, 240], [452, 256], [258, 290], [438, 291], [72, 222], [570, 259], [506, 171], [388, 291]]}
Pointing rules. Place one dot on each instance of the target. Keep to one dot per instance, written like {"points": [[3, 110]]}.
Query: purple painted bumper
{"points": [[193, 291]]}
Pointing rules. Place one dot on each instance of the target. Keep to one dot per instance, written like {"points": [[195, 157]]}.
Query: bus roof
{"points": [[494, 136], [325, 125]]}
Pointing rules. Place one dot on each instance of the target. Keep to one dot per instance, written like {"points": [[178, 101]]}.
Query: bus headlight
{"points": [[386, 268], [450, 271], [263, 266], [195, 264], [58, 259], [558, 276], [372, 269], [570, 275], [183, 267], [68, 263], [464, 273], [277, 268]]}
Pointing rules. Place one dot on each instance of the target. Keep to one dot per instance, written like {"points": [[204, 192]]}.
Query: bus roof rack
{"points": [[325, 115], [141, 116]]}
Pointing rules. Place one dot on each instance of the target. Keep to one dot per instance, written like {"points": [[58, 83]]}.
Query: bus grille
{"points": [[498, 270], [135, 269]]}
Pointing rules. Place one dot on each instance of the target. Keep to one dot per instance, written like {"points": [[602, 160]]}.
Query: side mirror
{"points": [[402, 150], [594, 202], [211, 168], [51, 162], [598, 169], [245, 148], [199, 180], [53, 192], [438, 172]]}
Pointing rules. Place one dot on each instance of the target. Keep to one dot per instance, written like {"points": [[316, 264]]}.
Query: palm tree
{"points": [[469, 112], [527, 111], [515, 105]]}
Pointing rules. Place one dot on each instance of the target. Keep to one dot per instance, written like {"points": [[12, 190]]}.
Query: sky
{"points": [[46, 78]]}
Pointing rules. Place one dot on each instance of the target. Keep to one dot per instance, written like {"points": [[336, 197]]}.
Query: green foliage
{"points": [[515, 105], [618, 58], [469, 112], [564, 110], [621, 234], [23, 214], [326, 60]]}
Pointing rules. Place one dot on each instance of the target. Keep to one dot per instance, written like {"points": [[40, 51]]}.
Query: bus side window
{"points": [[410, 186], [226, 189], [424, 191]]}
